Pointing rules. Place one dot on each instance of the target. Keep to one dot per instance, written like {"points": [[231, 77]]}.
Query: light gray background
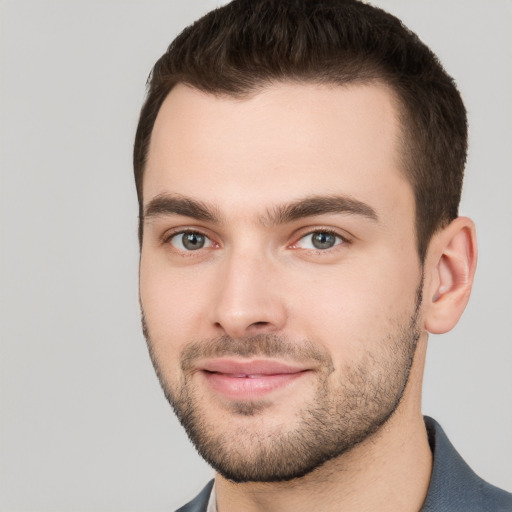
{"points": [[84, 425]]}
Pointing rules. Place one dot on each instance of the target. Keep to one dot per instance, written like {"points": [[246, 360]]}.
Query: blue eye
{"points": [[319, 240], [190, 241]]}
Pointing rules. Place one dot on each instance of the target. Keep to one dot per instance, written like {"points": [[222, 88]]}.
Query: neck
{"points": [[388, 472]]}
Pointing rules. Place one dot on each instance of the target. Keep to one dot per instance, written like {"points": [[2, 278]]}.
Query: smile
{"points": [[245, 380]]}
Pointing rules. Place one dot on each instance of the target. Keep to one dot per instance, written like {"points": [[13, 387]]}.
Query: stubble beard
{"points": [[337, 418]]}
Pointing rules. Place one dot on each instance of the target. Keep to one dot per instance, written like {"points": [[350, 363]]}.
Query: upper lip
{"points": [[249, 367]]}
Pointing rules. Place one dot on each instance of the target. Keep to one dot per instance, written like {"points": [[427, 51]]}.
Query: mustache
{"points": [[269, 345]]}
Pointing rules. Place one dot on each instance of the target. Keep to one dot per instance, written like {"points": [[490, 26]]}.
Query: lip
{"points": [[245, 380]]}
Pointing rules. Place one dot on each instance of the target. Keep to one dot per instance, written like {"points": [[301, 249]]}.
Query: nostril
{"points": [[259, 324]]}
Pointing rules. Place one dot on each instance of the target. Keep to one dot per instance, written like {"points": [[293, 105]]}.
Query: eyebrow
{"points": [[310, 206], [319, 205], [164, 204]]}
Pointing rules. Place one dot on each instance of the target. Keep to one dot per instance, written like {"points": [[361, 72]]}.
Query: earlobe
{"points": [[450, 266]]}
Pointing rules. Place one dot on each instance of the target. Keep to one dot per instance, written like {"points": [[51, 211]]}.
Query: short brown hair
{"points": [[249, 44]]}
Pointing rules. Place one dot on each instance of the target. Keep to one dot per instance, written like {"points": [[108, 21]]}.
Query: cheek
{"points": [[349, 308], [171, 305]]}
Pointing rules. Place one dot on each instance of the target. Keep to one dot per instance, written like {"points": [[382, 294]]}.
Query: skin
{"points": [[244, 158]]}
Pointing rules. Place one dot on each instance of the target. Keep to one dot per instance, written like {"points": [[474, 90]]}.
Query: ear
{"points": [[449, 271]]}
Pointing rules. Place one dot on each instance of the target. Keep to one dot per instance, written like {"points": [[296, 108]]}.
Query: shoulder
{"points": [[454, 486], [200, 502]]}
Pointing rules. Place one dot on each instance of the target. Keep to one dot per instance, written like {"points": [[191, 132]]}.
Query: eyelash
{"points": [[167, 239], [326, 231]]}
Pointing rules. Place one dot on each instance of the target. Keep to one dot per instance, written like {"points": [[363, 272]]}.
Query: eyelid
{"points": [[345, 239], [170, 234], [299, 235]]}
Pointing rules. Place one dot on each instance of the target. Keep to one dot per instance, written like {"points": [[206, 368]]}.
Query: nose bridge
{"points": [[248, 301]]}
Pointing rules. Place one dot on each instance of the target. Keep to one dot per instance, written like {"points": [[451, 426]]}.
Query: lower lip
{"points": [[243, 388]]}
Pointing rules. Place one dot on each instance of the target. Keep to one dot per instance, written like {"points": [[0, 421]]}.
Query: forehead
{"points": [[285, 141]]}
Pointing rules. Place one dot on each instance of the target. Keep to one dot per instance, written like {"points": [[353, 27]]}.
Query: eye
{"points": [[190, 241], [319, 240]]}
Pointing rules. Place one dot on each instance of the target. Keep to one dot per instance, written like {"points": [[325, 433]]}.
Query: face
{"points": [[279, 279]]}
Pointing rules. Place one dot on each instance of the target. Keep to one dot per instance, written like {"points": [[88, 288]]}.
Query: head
{"points": [[298, 166]]}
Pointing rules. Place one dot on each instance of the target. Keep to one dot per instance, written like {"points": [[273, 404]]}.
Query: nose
{"points": [[248, 301]]}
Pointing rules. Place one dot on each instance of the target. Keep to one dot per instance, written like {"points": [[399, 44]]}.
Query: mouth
{"points": [[245, 380]]}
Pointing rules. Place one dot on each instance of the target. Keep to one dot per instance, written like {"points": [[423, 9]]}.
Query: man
{"points": [[299, 167]]}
